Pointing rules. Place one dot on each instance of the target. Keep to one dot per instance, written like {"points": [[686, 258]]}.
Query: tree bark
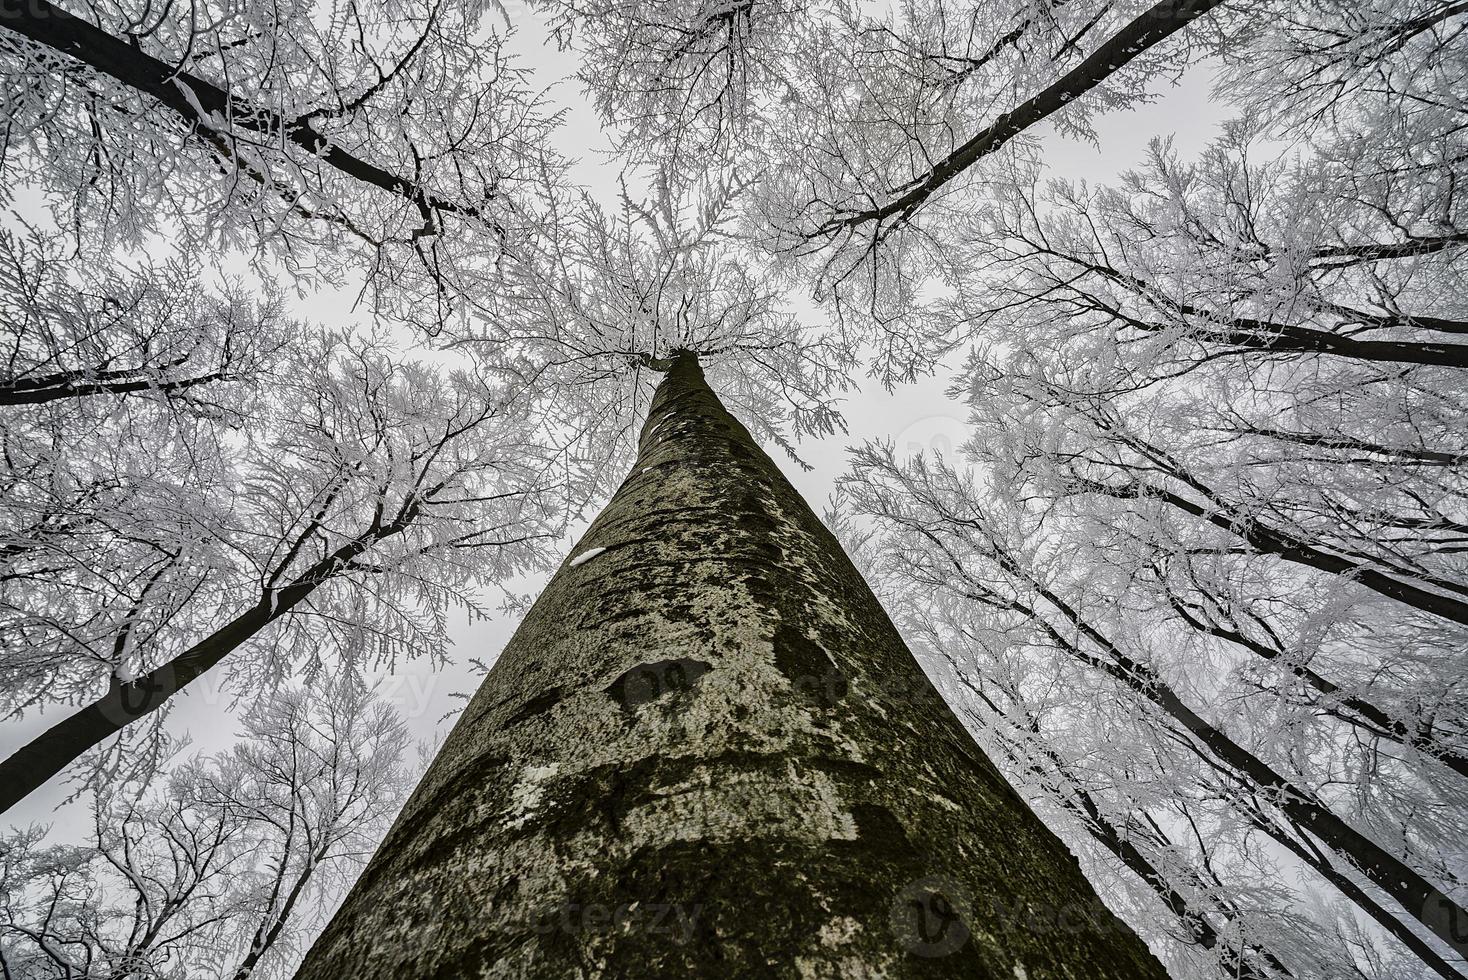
{"points": [[707, 752]]}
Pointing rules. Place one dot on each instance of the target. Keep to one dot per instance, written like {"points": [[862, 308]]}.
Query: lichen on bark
{"points": [[707, 752]]}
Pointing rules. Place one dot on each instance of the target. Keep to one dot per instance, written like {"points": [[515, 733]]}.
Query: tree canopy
{"points": [[1196, 579]]}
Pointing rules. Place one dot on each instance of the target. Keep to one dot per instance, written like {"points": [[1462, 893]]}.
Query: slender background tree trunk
{"points": [[51, 752], [707, 752]]}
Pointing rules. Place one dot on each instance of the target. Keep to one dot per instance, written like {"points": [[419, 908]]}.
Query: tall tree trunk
{"points": [[1352, 710], [707, 752], [267, 933], [201, 103], [1239, 958], [49, 753], [1419, 896]]}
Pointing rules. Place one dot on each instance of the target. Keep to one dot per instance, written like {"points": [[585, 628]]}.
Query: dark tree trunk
{"points": [[267, 934], [1350, 709], [80, 384], [1240, 959], [186, 94], [706, 752], [51, 752], [1421, 899], [1153, 26]]}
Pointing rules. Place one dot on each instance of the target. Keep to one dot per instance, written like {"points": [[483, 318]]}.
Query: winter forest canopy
{"points": [[327, 325]]}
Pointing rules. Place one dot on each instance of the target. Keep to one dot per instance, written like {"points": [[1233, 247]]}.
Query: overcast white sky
{"points": [[917, 417]]}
